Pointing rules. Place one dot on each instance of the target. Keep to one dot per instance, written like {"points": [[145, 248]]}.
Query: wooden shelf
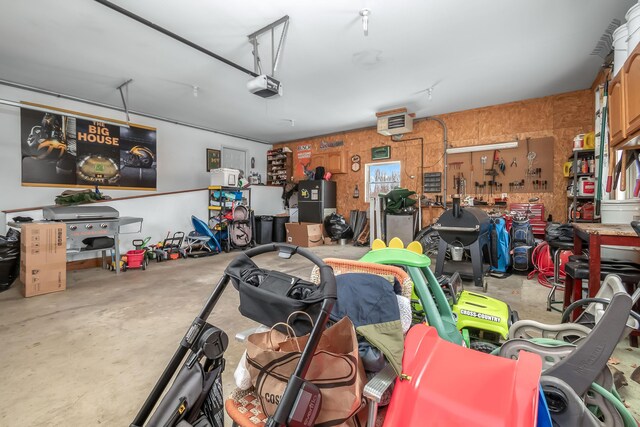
{"points": [[581, 174], [279, 167], [582, 152]]}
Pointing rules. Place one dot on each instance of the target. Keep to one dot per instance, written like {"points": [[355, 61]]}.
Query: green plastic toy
{"points": [[478, 320]]}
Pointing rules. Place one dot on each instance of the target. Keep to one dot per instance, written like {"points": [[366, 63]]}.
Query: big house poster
{"points": [[63, 151]]}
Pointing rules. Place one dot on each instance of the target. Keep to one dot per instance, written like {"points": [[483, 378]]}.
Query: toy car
{"points": [[482, 321]]}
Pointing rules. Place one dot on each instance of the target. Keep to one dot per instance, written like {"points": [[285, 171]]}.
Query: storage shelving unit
{"points": [[577, 201], [279, 167], [220, 205]]}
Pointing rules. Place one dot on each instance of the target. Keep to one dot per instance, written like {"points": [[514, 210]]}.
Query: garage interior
{"points": [[476, 163]]}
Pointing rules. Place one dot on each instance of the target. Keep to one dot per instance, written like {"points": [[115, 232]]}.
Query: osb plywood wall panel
{"points": [[560, 116]]}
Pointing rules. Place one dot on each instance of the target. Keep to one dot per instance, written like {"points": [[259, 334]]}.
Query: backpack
{"points": [[522, 243], [500, 259]]}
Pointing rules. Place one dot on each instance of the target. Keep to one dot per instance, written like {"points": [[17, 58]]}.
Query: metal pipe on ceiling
{"points": [[174, 36], [137, 113], [52, 111], [445, 146]]}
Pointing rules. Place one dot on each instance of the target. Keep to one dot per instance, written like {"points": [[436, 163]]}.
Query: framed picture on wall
{"points": [[381, 153], [213, 159], [380, 178]]}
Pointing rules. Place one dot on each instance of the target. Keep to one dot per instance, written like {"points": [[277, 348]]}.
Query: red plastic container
{"points": [[449, 385], [135, 259]]}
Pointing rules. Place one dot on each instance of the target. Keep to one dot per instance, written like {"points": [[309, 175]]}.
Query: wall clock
{"points": [[355, 163]]}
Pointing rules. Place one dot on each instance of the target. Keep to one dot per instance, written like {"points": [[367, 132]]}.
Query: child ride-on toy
{"points": [[482, 320]]}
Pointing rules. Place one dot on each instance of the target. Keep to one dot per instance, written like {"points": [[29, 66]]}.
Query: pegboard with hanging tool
{"points": [[487, 174]]}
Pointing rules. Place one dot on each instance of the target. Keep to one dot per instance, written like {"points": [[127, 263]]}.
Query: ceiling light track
{"points": [[174, 36], [137, 113]]}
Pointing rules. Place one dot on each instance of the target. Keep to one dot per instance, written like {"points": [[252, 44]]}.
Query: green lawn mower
{"points": [[481, 322]]}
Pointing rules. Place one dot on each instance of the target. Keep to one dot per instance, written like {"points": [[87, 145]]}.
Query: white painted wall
{"points": [[161, 215], [181, 166]]}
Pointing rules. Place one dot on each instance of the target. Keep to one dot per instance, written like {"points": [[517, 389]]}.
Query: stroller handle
{"points": [[327, 278]]}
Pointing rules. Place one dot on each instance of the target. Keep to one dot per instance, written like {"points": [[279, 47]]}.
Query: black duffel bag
{"points": [[269, 297], [560, 232]]}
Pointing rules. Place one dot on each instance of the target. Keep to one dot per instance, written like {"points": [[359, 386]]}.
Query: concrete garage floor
{"points": [[90, 355]]}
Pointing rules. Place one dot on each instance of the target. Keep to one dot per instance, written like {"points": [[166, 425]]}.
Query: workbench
{"points": [[597, 235]]}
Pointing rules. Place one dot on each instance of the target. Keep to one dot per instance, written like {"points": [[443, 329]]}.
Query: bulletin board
{"points": [[466, 174]]}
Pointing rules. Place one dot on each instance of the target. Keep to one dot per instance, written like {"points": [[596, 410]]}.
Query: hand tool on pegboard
{"points": [[623, 174], [514, 163], [603, 132], [502, 165], [636, 188], [612, 169], [471, 166], [531, 156]]}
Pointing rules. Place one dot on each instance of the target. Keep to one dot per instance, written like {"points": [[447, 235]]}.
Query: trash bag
{"points": [[9, 258], [337, 227]]}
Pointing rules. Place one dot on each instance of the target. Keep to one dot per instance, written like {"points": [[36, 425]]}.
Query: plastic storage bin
{"points": [[279, 229], [264, 229], [225, 177]]}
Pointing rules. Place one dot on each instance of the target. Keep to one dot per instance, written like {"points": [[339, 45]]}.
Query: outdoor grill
{"points": [[85, 222], [463, 225], [467, 228]]}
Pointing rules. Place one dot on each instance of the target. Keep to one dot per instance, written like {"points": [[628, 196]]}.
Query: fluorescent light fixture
{"points": [[486, 147], [62, 113]]}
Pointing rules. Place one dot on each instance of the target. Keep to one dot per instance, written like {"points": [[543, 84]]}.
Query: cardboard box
{"points": [[306, 234], [43, 279], [328, 241], [43, 243]]}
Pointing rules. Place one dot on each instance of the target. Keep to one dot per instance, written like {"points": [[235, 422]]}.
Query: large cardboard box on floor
{"points": [[306, 234], [43, 258], [43, 243], [43, 279]]}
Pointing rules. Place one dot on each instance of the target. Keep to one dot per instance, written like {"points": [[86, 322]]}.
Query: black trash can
{"points": [[279, 230], [264, 229], [9, 258]]}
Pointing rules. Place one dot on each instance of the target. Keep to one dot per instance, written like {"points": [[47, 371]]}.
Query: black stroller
{"points": [[195, 399]]}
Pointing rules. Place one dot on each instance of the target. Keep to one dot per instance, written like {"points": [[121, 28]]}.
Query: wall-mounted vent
{"points": [[395, 124]]}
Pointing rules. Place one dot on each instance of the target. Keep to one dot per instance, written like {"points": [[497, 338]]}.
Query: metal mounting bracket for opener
{"points": [[275, 52]]}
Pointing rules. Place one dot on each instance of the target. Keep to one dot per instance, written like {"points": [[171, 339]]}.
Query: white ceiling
{"points": [[476, 53]]}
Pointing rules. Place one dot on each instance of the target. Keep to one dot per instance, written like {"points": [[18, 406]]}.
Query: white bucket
{"points": [[620, 36], [620, 212], [633, 27]]}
